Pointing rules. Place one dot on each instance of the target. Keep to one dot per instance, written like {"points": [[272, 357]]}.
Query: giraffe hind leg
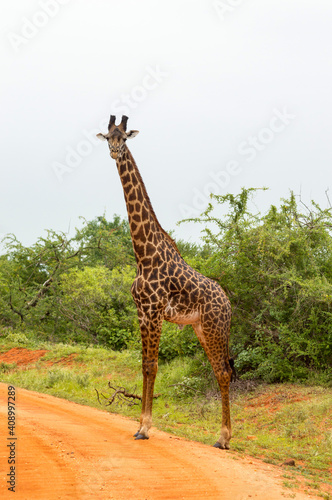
{"points": [[232, 365], [215, 344]]}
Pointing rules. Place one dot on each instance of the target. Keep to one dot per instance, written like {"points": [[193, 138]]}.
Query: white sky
{"points": [[204, 82]]}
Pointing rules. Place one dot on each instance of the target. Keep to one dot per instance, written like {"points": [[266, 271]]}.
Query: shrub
{"points": [[175, 342], [17, 338]]}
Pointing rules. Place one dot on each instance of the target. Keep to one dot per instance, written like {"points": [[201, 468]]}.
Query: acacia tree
{"points": [[106, 242], [30, 277], [98, 306], [31, 273]]}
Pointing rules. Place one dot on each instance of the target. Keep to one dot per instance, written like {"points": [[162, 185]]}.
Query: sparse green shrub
{"points": [[6, 367], [17, 338]]}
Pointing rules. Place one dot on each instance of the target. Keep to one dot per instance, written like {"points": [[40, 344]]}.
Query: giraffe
{"points": [[167, 288]]}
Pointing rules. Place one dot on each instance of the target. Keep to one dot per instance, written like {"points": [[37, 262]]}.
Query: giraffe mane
{"points": [[147, 198]]}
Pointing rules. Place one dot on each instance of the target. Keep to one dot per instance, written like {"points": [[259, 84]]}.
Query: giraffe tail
{"points": [[232, 365]]}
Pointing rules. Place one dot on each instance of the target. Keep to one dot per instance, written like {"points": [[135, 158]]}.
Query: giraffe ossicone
{"points": [[167, 288]]}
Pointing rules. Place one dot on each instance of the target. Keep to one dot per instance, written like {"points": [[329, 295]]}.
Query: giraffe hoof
{"points": [[141, 436], [136, 434], [220, 446]]}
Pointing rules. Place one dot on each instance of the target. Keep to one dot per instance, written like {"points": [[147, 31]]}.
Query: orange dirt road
{"points": [[65, 450]]}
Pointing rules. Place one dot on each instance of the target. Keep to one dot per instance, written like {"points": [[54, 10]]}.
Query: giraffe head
{"points": [[117, 136]]}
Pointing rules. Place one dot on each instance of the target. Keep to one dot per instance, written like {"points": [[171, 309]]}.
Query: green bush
{"points": [[17, 338], [6, 367], [175, 342], [277, 271]]}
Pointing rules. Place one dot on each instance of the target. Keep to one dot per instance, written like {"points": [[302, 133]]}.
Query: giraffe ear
{"points": [[101, 137], [132, 134]]}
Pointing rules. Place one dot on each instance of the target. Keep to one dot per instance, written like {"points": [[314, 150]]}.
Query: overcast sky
{"points": [[225, 94]]}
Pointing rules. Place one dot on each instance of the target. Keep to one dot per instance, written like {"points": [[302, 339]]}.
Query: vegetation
{"points": [[276, 269]]}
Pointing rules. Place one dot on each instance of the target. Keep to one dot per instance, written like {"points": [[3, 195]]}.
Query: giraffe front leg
{"points": [[143, 405], [149, 368], [150, 331]]}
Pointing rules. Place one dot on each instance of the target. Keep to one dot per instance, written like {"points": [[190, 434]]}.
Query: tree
{"points": [[106, 242], [97, 302]]}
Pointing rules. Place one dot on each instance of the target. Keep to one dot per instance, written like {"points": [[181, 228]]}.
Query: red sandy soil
{"points": [[21, 356], [65, 450]]}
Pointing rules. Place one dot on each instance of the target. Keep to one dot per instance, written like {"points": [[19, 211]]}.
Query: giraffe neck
{"points": [[146, 231]]}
